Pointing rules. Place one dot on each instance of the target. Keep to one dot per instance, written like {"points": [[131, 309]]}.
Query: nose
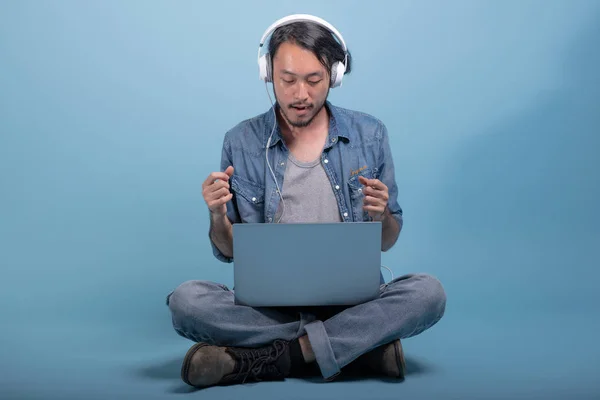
{"points": [[301, 91]]}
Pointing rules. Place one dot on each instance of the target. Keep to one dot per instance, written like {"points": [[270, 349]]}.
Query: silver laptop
{"points": [[306, 264]]}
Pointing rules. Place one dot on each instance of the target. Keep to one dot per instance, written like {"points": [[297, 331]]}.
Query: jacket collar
{"points": [[337, 126]]}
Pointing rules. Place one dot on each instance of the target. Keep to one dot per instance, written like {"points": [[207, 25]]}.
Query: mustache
{"points": [[300, 105]]}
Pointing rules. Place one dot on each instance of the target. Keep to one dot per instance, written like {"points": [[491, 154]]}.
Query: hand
{"points": [[215, 191], [376, 197]]}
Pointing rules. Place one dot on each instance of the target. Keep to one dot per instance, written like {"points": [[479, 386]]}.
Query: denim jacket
{"points": [[357, 145]]}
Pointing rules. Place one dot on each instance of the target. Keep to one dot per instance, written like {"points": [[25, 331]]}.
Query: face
{"points": [[300, 83]]}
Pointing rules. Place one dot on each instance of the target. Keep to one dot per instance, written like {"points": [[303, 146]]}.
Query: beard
{"points": [[311, 110]]}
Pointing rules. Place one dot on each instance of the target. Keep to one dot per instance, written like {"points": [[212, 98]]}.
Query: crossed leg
{"points": [[205, 311]]}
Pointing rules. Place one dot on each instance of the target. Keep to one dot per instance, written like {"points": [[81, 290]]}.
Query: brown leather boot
{"points": [[387, 360], [205, 365]]}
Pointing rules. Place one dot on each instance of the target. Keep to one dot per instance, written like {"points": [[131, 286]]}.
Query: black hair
{"points": [[313, 37]]}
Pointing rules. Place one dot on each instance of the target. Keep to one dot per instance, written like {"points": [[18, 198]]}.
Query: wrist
{"points": [[217, 217], [383, 216]]}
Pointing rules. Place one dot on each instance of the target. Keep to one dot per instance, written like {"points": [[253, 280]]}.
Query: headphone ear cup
{"points": [[269, 68], [264, 68], [337, 74]]}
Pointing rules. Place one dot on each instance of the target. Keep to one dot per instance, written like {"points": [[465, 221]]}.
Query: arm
{"points": [[392, 215], [221, 234], [376, 200], [222, 211], [390, 230], [381, 195]]}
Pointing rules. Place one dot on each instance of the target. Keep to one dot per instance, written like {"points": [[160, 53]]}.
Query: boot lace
{"points": [[258, 364]]}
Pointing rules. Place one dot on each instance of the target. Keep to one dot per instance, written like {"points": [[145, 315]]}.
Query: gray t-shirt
{"points": [[307, 194]]}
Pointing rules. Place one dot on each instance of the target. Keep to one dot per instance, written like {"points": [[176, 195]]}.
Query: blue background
{"points": [[112, 114]]}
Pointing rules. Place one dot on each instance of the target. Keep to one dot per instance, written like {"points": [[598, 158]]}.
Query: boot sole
{"points": [[400, 358], [185, 367]]}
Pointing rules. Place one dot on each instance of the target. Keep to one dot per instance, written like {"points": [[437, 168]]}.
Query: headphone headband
{"points": [[263, 63], [301, 17]]}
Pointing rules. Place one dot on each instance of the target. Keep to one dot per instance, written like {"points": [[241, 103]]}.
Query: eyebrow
{"points": [[316, 73]]}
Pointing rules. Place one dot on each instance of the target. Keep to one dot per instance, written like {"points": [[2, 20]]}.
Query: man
{"points": [[331, 165]]}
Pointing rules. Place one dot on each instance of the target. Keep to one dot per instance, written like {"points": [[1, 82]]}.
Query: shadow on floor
{"points": [[171, 369], [166, 370]]}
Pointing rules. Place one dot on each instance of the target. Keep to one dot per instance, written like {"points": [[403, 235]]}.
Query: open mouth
{"points": [[301, 109]]}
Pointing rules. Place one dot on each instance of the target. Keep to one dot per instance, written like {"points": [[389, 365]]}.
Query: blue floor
{"points": [[498, 340], [542, 355]]}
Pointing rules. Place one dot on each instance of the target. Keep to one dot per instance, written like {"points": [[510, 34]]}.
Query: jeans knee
{"points": [[433, 295], [191, 301]]}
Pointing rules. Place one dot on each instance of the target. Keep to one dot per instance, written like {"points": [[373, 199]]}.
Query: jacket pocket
{"points": [[249, 198], [355, 189]]}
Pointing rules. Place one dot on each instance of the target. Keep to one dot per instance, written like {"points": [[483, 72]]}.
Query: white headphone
{"points": [[264, 62]]}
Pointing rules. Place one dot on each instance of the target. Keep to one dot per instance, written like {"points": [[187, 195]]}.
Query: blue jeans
{"points": [[205, 312]]}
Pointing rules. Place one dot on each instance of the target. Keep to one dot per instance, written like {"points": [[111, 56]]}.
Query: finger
{"points": [[374, 209], [220, 201], [214, 176], [367, 181], [372, 183], [213, 187], [378, 194], [218, 185], [377, 185], [370, 191], [369, 200], [229, 170], [217, 194], [373, 201]]}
